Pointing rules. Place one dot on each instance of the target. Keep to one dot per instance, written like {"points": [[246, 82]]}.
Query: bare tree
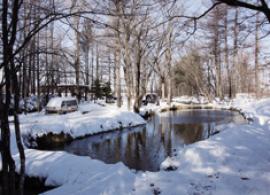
{"points": [[256, 57], [10, 73], [76, 26], [260, 6], [15, 46], [189, 74]]}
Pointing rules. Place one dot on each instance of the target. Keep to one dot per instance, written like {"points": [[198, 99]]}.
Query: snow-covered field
{"points": [[235, 161]]}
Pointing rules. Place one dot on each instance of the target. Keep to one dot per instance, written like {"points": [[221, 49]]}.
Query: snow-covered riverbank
{"points": [[90, 119], [235, 161]]}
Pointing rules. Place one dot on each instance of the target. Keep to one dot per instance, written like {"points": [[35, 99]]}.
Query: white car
{"points": [[62, 105]]}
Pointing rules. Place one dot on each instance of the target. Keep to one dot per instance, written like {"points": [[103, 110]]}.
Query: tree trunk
{"points": [[118, 79], [86, 70], [169, 100], [236, 65], [217, 62], [92, 72], [109, 64], [114, 74], [33, 79], [38, 73], [163, 89], [168, 57], [117, 57], [256, 57], [52, 63], [47, 66], [77, 57], [8, 164], [97, 63], [138, 96], [17, 130], [128, 66], [227, 53], [128, 87]]}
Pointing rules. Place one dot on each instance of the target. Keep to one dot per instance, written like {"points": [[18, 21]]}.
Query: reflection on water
{"points": [[145, 147]]}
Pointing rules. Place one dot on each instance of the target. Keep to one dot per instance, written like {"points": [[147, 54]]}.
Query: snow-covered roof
{"points": [[57, 101]]}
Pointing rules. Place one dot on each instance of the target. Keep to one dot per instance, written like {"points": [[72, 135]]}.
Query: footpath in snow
{"points": [[235, 161]]}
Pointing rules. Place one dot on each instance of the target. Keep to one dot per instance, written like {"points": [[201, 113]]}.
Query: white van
{"points": [[62, 105]]}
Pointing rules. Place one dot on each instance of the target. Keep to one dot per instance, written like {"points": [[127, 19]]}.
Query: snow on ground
{"points": [[181, 102], [76, 174], [235, 161], [90, 119]]}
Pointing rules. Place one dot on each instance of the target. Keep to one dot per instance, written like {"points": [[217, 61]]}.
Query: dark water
{"points": [[145, 147], [32, 185]]}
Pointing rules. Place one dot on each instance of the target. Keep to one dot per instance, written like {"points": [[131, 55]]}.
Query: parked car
{"points": [[110, 99], [150, 98], [62, 105]]}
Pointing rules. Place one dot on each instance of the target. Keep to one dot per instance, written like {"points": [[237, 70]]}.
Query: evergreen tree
{"points": [[107, 89], [97, 89]]}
